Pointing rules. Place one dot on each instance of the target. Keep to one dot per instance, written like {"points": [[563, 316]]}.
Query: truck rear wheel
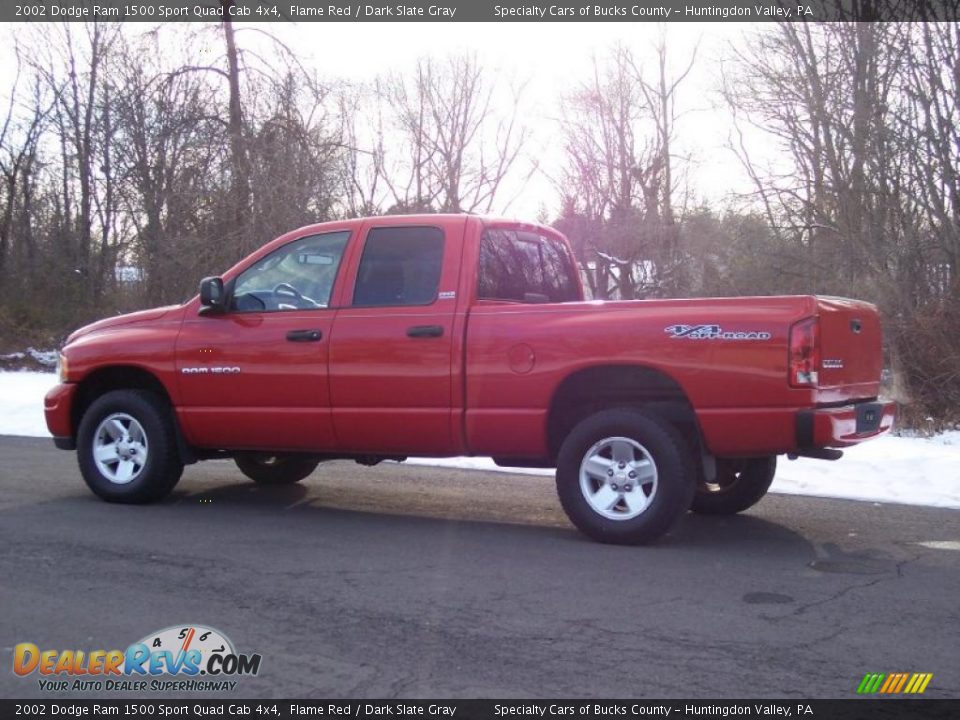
{"points": [[127, 449], [276, 469], [740, 484], [624, 477]]}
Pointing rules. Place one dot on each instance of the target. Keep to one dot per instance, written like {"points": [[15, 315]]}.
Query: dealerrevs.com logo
{"points": [[177, 658]]}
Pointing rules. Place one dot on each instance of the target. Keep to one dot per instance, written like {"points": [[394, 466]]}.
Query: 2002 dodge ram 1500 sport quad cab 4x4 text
{"points": [[446, 335]]}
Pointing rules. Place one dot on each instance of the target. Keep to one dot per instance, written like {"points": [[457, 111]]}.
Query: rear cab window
{"points": [[525, 267]]}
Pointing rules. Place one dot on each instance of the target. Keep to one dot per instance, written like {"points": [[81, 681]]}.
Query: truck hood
{"points": [[121, 320]]}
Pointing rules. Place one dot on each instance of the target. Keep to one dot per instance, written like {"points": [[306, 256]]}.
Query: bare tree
{"points": [[19, 141], [457, 150], [619, 181], [74, 74], [170, 164], [363, 174], [931, 139], [865, 199], [239, 160], [295, 148], [829, 100], [661, 97]]}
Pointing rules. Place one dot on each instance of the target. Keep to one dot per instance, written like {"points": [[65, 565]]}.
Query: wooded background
{"points": [[130, 169]]}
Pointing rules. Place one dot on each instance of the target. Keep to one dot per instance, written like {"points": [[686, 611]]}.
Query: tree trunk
{"points": [[238, 155]]}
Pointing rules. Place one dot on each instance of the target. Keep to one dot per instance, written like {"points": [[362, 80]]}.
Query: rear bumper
{"points": [[57, 407], [844, 426]]}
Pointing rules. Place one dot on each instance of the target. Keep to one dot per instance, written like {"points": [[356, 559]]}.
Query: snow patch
{"points": [[890, 469], [44, 357], [21, 402], [941, 544]]}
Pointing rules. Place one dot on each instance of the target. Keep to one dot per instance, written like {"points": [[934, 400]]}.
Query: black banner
{"points": [[854, 709], [153, 11]]}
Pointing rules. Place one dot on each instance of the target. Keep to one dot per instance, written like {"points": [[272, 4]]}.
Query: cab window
{"points": [[400, 266], [525, 267], [297, 276]]}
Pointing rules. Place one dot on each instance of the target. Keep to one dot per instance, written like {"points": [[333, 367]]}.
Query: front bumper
{"points": [[845, 426], [58, 407]]}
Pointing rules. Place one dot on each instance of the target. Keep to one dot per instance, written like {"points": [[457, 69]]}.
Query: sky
{"points": [[549, 59]]}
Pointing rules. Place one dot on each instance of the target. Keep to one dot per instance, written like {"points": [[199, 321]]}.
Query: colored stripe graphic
{"points": [[894, 683], [870, 683]]}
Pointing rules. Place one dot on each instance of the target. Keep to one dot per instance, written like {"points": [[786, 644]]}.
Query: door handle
{"points": [[421, 331], [304, 335]]}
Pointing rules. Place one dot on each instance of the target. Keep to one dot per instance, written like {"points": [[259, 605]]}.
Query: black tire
{"points": [[740, 484], [666, 497], [159, 467], [276, 469]]}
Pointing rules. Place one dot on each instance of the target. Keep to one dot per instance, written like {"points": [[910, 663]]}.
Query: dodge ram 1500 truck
{"points": [[448, 335]]}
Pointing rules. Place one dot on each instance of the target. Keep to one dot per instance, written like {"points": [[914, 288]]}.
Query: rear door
{"points": [[391, 350], [515, 345]]}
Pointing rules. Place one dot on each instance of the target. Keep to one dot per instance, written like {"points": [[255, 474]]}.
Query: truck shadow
{"points": [[530, 516]]}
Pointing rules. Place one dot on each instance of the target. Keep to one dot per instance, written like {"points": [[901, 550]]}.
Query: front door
{"points": [[391, 349], [255, 377]]}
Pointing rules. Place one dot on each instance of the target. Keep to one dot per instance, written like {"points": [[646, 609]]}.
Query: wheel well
{"points": [[117, 377], [588, 391]]}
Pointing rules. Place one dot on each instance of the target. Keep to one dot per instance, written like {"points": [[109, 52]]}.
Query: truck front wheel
{"points": [[127, 449], [624, 477], [276, 469], [740, 483]]}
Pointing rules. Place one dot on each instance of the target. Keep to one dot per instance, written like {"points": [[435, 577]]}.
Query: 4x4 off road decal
{"points": [[713, 332]]}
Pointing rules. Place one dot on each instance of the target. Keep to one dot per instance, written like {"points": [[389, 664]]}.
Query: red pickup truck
{"points": [[447, 335]]}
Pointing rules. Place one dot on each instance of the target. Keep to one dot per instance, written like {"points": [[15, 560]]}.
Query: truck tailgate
{"points": [[851, 357]]}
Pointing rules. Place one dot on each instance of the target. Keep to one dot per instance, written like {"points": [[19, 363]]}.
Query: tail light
{"points": [[804, 353]]}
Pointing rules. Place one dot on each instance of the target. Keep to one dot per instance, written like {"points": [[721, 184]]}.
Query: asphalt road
{"points": [[401, 581]]}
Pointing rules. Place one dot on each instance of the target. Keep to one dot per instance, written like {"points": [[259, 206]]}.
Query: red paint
{"points": [[485, 384]]}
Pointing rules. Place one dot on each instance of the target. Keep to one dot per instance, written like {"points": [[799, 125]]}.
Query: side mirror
{"points": [[212, 295]]}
